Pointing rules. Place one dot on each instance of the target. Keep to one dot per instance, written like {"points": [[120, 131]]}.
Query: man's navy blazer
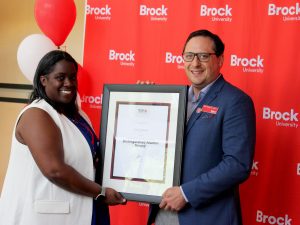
{"points": [[217, 157]]}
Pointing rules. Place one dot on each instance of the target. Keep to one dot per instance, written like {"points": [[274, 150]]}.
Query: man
{"points": [[219, 142]]}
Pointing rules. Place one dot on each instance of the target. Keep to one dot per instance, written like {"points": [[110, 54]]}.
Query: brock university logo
{"points": [[155, 14], [287, 12], [171, 58], [222, 14], [125, 58], [249, 65], [283, 119], [93, 101], [99, 13]]}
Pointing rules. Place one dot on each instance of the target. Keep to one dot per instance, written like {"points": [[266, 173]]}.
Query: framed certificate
{"points": [[142, 129]]}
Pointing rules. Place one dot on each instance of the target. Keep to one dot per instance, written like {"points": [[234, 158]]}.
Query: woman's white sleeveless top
{"points": [[29, 198]]}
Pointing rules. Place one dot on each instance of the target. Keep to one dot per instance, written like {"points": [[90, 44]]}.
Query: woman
{"points": [[54, 154]]}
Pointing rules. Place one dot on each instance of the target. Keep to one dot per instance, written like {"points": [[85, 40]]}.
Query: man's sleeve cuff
{"points": [[185, 198]]}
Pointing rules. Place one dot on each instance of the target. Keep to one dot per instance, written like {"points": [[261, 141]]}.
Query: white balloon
{"points": [[30, 52]]}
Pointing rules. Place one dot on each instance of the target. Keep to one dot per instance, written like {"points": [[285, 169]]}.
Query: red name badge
{"points": [[210, 109]]}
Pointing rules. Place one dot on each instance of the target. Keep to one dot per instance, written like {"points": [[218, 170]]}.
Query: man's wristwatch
{"points": [[101, 195]]}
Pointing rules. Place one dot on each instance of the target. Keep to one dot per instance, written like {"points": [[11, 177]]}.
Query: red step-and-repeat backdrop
{"points": [[132, 40]]}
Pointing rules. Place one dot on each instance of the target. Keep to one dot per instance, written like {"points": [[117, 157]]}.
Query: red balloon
{"points": [[83, 80], [55, 18]]}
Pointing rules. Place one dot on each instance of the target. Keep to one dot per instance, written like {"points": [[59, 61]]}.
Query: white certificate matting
{"points": [[140, 141]]}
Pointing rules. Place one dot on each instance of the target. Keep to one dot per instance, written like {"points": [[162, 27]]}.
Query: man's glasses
{"points": [[203, 57]]}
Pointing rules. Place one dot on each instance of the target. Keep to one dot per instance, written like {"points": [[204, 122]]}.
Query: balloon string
{"points": [[63, 48]]}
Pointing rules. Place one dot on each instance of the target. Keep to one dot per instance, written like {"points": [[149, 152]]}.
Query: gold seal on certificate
{"points": [[141, 139]]}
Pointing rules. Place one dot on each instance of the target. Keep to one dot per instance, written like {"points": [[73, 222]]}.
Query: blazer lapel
{"points": [[208, 98]]}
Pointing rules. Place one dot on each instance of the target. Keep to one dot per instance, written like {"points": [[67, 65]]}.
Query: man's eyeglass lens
{"points": [[203, 57]]}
